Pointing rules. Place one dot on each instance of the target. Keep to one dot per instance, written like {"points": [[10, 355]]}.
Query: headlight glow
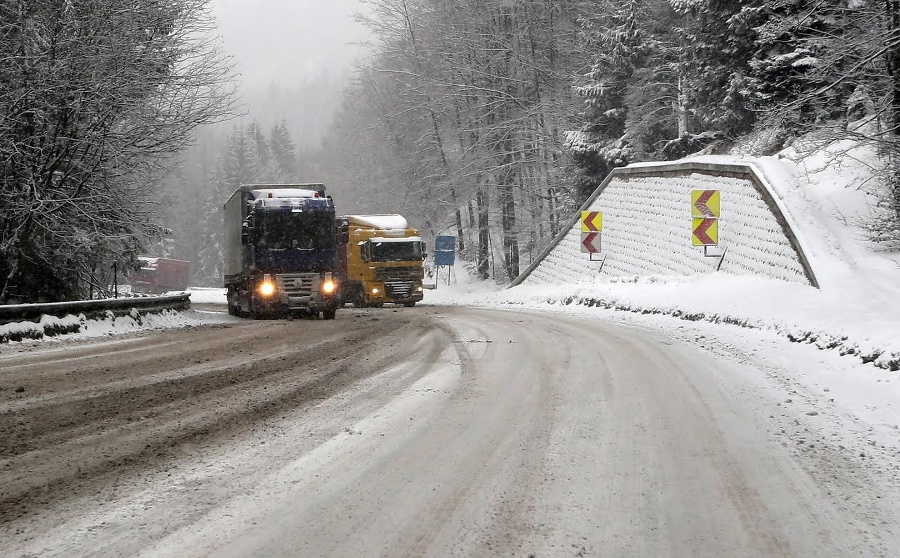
{"points": [[375, 290], [328, 286], [267, 288]]}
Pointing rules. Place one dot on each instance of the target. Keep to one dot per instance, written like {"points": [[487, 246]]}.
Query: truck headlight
{"points": [[267, 287], [375, 290], [329, 286]]}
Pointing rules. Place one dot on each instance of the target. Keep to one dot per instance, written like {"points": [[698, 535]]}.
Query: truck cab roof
{"points": [[293, 204], [382, 222], [287, 192], [377, 239]]}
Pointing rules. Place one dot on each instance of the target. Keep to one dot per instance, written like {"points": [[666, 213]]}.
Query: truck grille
{"points": [[398, 281], [297, 284], [392, 274], [398, 289]]}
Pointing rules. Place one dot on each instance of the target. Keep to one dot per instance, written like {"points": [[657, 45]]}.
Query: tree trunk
{"points": [[893, 66], [508, 212], [484, 231], [893, 62], [507, 174]]}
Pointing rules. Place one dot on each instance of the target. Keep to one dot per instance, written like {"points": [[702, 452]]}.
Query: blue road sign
{"points": [[444, 250]]}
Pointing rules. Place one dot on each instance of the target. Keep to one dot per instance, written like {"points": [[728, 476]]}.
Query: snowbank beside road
{"points": [[847, 325], [70, 327], [90, 324]]}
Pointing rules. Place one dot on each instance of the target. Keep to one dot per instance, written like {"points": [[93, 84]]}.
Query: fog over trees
{"points": [[276, 139], [491, 120]]}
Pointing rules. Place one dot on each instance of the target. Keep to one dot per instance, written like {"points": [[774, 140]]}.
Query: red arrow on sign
{"points": [[701, 206], [588, 242], [701, 234], [589, 221]]}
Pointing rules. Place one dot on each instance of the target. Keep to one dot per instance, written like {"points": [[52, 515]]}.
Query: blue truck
{"points": [[280, 251]]}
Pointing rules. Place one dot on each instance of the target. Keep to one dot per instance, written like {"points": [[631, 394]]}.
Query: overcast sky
{"points": [[283, 39]]}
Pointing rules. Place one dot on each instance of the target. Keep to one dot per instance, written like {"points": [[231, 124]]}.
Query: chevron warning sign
{"points": [[705, 209], [590, 242], [705, 204], [591, 221], [705, 232]]}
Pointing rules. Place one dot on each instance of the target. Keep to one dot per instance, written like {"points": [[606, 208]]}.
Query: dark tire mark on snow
{"points": [[83, 426]]}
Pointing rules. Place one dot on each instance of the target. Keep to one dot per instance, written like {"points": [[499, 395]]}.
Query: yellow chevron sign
{"points": [[705, 204], [705, 232], [591, 221]]}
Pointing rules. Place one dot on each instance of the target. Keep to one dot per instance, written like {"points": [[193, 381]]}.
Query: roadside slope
{"points": [[854, 312]]}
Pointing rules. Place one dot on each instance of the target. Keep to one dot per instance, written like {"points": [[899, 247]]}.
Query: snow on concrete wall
{"points": [[647, 229]]}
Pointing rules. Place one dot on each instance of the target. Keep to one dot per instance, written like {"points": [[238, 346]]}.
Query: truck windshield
{"points": [[396, 251], [280, 230]]}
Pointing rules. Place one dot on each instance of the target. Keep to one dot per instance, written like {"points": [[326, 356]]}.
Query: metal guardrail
{"points": [[94, 308]]}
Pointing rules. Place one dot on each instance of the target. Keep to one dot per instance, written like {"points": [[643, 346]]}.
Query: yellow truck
{"points": [[380, 259]]}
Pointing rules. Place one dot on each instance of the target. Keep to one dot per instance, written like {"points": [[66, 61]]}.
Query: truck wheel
{"points": [[409, 304], [254, 313], [329, 313]]}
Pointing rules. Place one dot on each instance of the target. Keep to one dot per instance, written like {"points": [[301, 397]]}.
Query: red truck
{"points": [[159, 275]]}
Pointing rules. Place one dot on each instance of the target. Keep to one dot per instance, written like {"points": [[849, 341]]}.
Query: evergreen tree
{"points": [[284, 153], [614, 35], [660, 103], [798, 52], [668, 79], [240, 165], [265, 163], [719, 42]]}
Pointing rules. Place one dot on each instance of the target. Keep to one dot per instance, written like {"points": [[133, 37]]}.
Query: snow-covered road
{"points": [[442, 431]]}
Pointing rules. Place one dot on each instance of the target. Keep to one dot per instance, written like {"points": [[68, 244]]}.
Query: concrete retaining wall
{"points": [[647, 228]]}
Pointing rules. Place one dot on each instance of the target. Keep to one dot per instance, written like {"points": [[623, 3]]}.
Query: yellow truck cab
{"points": [[380, 259]]}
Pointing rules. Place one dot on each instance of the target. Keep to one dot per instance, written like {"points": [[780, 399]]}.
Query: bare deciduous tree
{"points": [[472, 97], [95, 100]]}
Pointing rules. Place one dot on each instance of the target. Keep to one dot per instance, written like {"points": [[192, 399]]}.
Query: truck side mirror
{"points": [[363, 251], [245, 234]]}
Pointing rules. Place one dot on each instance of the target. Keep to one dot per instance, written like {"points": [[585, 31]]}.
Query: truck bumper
{"points": [[288, 293], [302, 302], [395, 294], [288, 305]]}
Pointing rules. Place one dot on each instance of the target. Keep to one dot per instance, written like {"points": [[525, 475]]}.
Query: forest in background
{"points": [[491, 120], [512, 111], [261, 146]]}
